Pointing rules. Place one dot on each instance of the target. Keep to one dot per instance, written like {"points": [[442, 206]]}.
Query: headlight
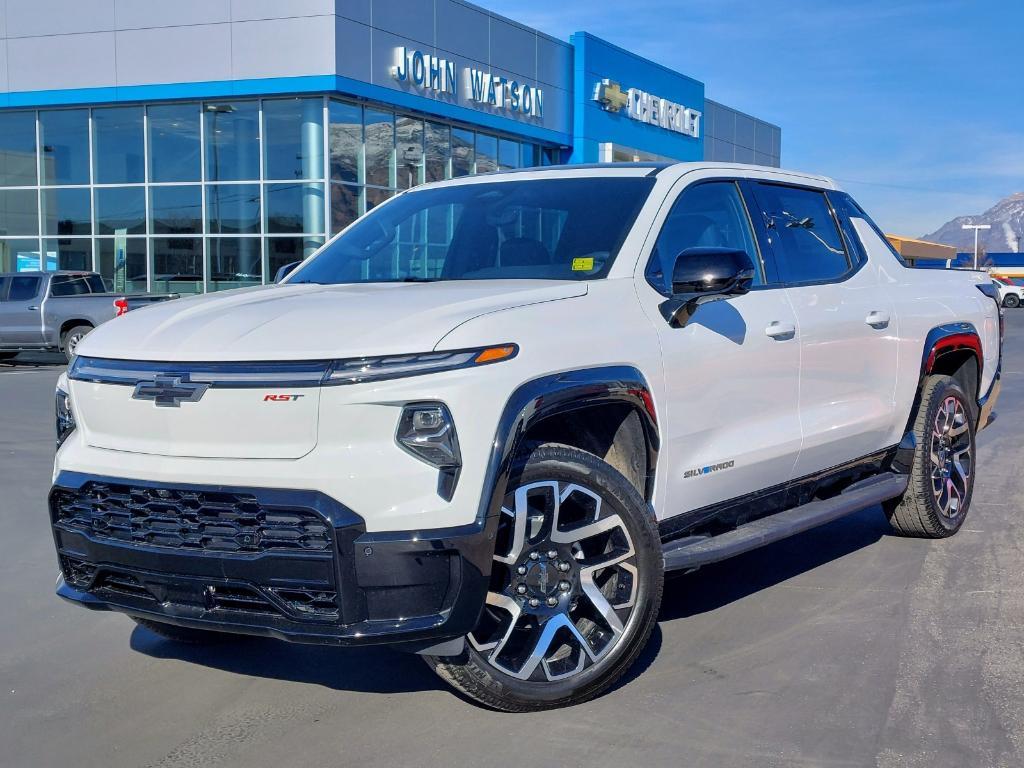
{"points": [[358, 370], [65, 417], [427, 431]]}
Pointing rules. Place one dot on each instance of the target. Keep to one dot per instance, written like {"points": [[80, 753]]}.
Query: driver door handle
{"points": [[33, 308], [780, 331], [877, 319]]}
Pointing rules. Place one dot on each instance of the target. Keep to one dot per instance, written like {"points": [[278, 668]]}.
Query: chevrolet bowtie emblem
{"points": [[169, 391], [611, 97]]}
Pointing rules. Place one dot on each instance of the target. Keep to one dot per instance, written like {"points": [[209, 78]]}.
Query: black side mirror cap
{"points": [[702, 275], [284, 271]]}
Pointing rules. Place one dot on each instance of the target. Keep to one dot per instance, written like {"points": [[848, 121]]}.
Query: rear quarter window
{"points": [[70, 285], [806, 239]]}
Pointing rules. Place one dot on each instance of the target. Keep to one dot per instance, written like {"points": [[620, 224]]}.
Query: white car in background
{"points": [[482, 422], [1011, 295]]}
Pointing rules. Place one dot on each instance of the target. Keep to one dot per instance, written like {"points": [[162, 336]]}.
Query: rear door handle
{"points": [[780, 331], [33, 308], [877, 319]]}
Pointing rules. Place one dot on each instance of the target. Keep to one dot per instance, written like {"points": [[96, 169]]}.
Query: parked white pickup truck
{"points": [[483, 421], [1010, 294]]}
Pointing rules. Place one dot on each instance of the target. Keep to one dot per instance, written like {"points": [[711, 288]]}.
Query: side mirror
{"points": [[702, 275], [286, 270]]}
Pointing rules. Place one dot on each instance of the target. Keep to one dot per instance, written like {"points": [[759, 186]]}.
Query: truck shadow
{"points": [[380, 670], [34, 360]]}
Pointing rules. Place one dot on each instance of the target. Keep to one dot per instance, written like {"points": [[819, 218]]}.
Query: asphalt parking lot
{"points": [[845, 646]]}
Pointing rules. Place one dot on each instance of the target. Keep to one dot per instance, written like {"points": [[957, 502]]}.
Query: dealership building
{"points": [[198, 145]]}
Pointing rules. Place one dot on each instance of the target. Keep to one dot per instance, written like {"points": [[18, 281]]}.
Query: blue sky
{"points": [[916, 107]]}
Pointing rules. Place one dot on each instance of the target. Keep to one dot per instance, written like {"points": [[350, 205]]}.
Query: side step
{"points": [[695, 551]]}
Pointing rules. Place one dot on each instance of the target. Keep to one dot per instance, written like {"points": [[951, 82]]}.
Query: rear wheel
{"points": [[185, 635], [1012, 301], [938, 497], [72, 338], [575, 587]]}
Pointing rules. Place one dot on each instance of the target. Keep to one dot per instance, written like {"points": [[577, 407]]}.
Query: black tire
{"points": [[1012, 301], [184, 635], [614, 623], [71, 338], [938, 497]]}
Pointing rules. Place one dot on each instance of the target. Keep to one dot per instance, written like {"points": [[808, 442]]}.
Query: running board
{"points": [[695, 551]]}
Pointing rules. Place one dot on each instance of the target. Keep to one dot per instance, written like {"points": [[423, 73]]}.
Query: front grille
{"points": [[189, 519]]}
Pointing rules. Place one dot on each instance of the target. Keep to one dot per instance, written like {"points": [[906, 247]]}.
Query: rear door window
{"points": [[807, 243], [23, 288]]}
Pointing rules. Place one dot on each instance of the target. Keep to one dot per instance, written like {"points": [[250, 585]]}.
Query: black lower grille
{"points": [[78, 572], [189, 519], [122, 584]]}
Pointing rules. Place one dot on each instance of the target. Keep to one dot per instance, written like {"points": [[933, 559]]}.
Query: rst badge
{"points": [[281, 398]]}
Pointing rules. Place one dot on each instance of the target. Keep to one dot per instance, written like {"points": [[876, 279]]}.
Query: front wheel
{"points": [[938, 496], [575, 587], [1012, 301]]}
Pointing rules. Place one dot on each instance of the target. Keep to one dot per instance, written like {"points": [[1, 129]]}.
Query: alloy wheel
{"points": [[951, 457], [564, 583], [73, 341]]}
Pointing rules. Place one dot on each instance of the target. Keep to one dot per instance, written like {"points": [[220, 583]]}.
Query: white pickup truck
{"points": [[1010, 294], [484, 421]]}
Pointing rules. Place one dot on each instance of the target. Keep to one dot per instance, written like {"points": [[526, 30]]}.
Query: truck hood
{"points": [[310, 322]]}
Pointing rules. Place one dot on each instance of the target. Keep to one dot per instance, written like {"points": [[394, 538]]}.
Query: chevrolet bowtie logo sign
{"points": [[169, 391], [610, 95], [637, 104]]}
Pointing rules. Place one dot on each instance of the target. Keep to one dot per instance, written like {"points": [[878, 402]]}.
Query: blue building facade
{"points": [[198, 145]]}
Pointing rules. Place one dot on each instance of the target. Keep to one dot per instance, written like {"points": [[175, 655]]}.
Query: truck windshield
{"points": [[551, 229]]}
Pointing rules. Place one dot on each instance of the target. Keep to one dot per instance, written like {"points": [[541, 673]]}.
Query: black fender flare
{"points": [[941, 340], [951, 337], [555, 394]]}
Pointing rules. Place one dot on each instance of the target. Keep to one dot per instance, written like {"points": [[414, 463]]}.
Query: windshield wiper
{"points": [[414, 279]]}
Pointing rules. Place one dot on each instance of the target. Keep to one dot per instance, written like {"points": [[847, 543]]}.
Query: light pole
{"points": [[976, 227]]}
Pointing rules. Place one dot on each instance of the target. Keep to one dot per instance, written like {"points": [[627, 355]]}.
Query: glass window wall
{"points": [[66, 211], [174, 149], [218, 194], [232, 131], [120, 208], [122, 265], [118, 146], [294, 139], [64, 141], [18, 148], [235, 262], [176, 210]]}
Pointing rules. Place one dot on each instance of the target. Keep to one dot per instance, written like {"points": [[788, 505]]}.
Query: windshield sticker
{"points": [[583, 264]]}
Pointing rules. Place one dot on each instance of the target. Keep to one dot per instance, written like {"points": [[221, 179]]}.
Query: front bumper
{"points": [[295, 565]]}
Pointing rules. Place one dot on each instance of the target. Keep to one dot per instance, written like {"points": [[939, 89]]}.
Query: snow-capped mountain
{"points": [[1006, 235]]}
